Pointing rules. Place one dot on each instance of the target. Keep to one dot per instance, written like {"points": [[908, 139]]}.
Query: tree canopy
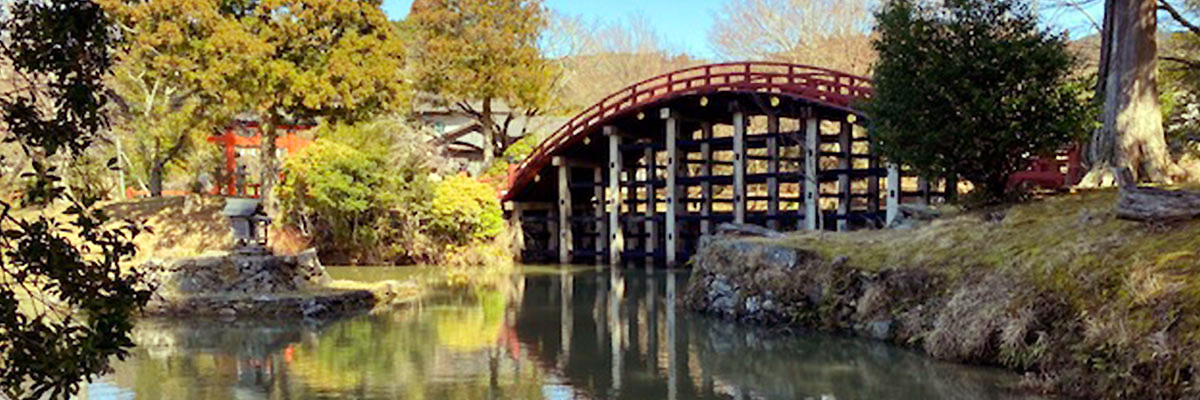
{"points": [[972, 88], [475, 53], [279, 60]]}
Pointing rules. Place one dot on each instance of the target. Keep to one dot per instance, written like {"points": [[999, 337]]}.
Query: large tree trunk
{"points": [[1132, 133], [269, 163]]}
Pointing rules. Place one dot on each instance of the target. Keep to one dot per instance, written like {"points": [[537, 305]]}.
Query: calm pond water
{"points": [[585, 335]]}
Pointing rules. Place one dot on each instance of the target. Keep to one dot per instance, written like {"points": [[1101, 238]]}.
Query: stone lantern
{"points": [[249, 223]]}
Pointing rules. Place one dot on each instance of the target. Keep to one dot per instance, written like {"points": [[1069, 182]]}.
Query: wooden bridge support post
{"points": [[950, 193], [739, 167], [773, 171], [650, 240], [812, 187], [894, 192], [631, 193], [616, 239], [873, 181], [672, 230], [516, 218], [552, 232], [923, 189], [565, 240], [598, 215], [706, 170], [845, 196]]}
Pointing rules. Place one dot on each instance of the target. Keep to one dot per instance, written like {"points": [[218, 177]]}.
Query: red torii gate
{"points": [[232, 140]]}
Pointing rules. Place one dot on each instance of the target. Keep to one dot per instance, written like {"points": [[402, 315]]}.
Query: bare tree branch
{"points": [[1079, 6], [1177, 16], [1189, 64]]}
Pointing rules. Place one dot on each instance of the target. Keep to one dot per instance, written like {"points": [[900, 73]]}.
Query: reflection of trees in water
{"points": [[234, 359], [455, 349], [625, 342], [621, 339]]}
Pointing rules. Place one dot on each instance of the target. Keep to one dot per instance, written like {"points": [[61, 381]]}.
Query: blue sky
{"points": [[684, 23]]}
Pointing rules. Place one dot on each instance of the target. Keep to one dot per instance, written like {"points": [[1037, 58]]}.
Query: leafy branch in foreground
{"points": [[66, 304]]}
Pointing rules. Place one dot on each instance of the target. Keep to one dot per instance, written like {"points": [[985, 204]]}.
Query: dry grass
{"points": [[1072, 243], [179, 226]]}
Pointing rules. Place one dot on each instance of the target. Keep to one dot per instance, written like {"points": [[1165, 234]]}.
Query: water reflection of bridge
{"points": [[610, 335], [620, 336], [642, 174]]}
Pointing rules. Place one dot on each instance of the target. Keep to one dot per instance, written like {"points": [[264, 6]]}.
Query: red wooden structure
{"points": [[1051, 173], [231, 140], [826, 87], [822, 86]]}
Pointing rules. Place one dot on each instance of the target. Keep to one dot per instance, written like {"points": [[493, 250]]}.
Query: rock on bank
{"points": [[232, 284], [989, 318]]}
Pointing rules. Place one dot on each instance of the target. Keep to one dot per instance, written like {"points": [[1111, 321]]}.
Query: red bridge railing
{"points": [[823, 86]]}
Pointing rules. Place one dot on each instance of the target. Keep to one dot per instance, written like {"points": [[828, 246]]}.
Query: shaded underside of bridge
{"points": [[640, 176]]}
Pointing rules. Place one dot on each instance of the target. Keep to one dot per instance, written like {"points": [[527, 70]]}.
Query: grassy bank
{"points": [[1086, 304]]}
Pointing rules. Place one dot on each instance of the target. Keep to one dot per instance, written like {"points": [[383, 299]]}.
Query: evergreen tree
{"points": [[474, 54], [972, 88]]}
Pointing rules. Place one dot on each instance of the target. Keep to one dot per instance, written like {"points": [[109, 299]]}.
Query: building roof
{"points": [[235, 207]]}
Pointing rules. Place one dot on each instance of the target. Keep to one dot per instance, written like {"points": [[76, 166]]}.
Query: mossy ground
{"points": [[1058, 287], [1072, 244]]}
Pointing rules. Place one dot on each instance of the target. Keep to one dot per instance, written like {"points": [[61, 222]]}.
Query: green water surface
{"points": [[541, 335]]}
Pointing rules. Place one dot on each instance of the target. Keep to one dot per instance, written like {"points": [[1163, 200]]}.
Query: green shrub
{"points": [[341, 197], [514, 154], [972, 88], [377, 205], [465, 211]]}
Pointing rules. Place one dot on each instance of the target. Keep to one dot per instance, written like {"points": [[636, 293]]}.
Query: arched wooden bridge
{"points": [[642, 174]]}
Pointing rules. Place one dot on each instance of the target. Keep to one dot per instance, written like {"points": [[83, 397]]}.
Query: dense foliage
{"points": [[480, 56], [972, 88], [465, 211], [340, 194], [66, 304], [282, 60], [364, 195]]}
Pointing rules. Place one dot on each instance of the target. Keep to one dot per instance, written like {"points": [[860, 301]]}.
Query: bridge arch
{"points": [[643, 173]]}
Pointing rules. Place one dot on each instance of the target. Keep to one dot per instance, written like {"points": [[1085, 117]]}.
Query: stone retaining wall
{"points": [[306, 305], [249, 285], [225, 272]]}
